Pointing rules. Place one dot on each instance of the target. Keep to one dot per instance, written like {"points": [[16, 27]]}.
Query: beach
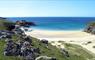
{"points": [[74, 37]]}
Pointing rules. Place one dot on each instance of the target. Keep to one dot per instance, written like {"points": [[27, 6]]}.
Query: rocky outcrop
{"points": [[90, 28], [23, 47]]}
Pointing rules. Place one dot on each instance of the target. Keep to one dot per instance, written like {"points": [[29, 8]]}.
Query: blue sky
{"points": [[47, 8]]}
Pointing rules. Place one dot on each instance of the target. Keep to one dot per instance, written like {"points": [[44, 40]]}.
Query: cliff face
{"points": [[90, 28]]}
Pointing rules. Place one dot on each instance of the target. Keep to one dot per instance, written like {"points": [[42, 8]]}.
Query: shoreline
{"points": [[75, 37]]}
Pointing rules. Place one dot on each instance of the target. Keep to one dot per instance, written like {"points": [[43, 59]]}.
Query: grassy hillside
{"points": [[76, 52]]}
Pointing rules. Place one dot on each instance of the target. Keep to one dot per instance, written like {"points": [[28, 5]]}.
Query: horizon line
{"points": [[49, 16]]}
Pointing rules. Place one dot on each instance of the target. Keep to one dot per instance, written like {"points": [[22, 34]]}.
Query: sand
{"points": [[75, 37]]}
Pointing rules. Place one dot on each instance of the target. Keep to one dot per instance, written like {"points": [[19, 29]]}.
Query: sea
{"points": [[57, 23]]}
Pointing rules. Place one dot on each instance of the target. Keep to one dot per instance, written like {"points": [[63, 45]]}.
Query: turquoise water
{"points": [[57, 23]]}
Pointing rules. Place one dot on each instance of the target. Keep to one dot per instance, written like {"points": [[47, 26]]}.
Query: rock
{"points": [[9, 49], [36, 50], [90, 28], [30, 57], [5, 34], [8, 53], [44, 41], [27, 38], [25, 23]]}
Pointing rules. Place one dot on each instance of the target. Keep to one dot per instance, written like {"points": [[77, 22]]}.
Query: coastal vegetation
{"points": [[75, 52]]}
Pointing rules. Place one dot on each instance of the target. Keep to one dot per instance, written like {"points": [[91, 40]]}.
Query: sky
{"points": [[47, 8]]}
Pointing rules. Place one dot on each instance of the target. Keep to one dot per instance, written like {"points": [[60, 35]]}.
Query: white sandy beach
{"points": [[75, 37]]}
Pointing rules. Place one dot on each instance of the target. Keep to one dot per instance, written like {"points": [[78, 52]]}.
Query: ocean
{"points": [[57, 23]]}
